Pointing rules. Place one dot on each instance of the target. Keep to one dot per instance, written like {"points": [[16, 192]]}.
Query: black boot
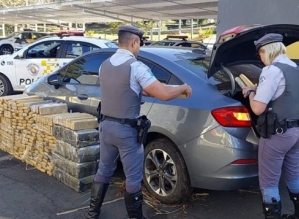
{"points": [[134, 205], [98, 192], [295, 199], [272, 210]]}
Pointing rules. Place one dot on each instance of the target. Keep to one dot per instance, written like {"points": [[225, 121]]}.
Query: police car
{"points": [[8, 44], [25, 66]]}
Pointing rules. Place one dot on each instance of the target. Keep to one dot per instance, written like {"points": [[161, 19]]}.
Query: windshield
{"points": [[13, 34], [197, 66]]}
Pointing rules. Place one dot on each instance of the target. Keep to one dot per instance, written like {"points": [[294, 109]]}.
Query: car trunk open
{"points": [[238, 56]]}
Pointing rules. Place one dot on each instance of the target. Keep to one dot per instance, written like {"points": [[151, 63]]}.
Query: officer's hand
{"points": [[144, 93], [188, 90], [245, 89]]}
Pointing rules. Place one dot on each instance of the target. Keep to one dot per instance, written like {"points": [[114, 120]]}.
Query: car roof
{"points": [[76, 38], [170, 53]]}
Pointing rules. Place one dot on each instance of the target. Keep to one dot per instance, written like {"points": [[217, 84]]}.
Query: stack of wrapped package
{"points": [[26, 132], [77, 149]]}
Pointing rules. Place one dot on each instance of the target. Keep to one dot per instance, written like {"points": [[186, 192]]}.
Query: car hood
{"points": [[240, 45], [3, 57]]}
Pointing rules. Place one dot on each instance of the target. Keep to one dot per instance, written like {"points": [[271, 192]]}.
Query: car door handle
{"points": [[82, 96]]}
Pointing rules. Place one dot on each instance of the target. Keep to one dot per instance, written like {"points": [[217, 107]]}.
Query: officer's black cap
{"points": [[267, 39], [131, 29]]}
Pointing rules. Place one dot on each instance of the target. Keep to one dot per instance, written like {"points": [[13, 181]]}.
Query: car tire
{"points": [[6, 50], [165, 174], [5, 86]]}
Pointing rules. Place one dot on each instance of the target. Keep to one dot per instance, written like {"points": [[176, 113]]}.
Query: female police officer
{"points": [[276, 101], [123, 80]]}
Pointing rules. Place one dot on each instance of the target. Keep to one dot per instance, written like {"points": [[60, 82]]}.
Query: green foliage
{"points": [[203, 34], [89, 33]]}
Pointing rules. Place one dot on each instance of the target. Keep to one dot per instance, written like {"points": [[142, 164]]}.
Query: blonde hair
{"points": [[273, 50]]}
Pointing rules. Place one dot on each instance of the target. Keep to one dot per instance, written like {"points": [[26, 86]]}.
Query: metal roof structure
{"points": [[87, 11]]}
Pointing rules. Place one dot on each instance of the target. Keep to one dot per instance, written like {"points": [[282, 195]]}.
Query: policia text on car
{"points": [[123, 81], [276, 101]]}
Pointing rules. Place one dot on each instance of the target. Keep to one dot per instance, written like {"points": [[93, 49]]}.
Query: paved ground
{"points": [[27, 193]]}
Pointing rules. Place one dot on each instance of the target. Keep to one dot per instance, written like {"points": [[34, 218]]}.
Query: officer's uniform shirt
{"points": [[141, 74], [272, 82]]}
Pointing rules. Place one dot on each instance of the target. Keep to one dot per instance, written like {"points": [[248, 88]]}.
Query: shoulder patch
{"points": [[262, 79]]}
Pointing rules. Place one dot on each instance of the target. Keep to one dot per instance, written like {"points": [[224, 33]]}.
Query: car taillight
{"points": [[236, 116], [245, 161]]}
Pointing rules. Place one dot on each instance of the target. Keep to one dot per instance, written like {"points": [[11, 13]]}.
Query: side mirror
{"points": [[17, 38], [54, 80], [21, 54]]}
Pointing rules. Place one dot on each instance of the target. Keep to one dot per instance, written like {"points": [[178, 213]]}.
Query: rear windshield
{"points": [[197, 66]]}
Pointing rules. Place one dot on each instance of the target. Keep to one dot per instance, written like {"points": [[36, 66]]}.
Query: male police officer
{"points": [[123, 81], [276, 101]]}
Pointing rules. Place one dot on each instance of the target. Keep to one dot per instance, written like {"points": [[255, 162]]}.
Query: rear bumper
{"points": [[209, 161]]}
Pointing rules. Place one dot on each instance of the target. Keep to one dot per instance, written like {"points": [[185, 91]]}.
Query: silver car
{"points": [[206, 141]]}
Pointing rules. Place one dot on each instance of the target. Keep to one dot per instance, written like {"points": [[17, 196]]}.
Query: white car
{"points": [[9, 43], [25, 66]]}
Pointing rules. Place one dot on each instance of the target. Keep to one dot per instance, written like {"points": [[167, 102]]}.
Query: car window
{"points": [[161, 74], [163, 43], [197, 45], [75, 49], [25, 36], [46, 49], [111, 45], [183, 44], [85, 70]]}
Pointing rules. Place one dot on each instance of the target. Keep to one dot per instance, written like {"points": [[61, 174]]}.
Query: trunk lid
{"points": [[237, 44]]}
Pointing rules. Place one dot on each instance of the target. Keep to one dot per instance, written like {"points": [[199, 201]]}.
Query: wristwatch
{"points": [[249, 92]]}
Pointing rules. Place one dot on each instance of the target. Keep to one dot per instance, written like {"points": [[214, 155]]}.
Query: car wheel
{"points": [[5, 86], [165, 174], [6, 50]]}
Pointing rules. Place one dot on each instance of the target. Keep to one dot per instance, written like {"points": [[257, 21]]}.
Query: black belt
{"points": [[131, 122], [292, 123]]}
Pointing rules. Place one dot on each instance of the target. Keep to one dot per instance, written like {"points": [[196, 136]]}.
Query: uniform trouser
{"points": [[120, 139], [279, 156]]}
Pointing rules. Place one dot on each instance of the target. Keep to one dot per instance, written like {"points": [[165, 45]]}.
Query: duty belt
{"points": [[131, 122], [292, 123]]}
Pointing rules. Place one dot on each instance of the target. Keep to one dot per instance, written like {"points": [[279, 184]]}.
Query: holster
{"points": [[143, 125], [268, 124]]}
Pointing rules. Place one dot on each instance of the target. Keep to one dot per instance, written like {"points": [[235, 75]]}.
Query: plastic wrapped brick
{"points": [[78, 185], [77, 170], [78, 155], [81, 138]]}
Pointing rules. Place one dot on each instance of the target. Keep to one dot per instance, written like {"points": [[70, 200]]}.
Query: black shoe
{"points": [[98, 192], [295, 199], [272, 210], [134, 205]]}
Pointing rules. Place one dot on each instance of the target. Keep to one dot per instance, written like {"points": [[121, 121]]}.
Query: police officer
{"points": [[276, 101], [123, 80]]}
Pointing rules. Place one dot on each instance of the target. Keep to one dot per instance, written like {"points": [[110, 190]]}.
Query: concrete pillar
{"points": [[45, 27], [159, 31], [16, 28], [180, 26], [70, 26], [83, 26], [151, 31], [36, 28], [3, 30], [191, 28]]}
